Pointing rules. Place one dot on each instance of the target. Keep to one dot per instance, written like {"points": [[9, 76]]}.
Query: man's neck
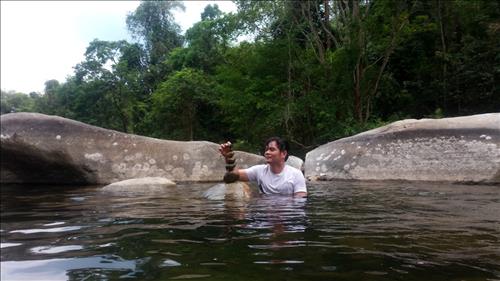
{"points": [[277, 168]]}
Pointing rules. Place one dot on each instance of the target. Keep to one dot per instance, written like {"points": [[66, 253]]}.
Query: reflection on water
{"points": [[343, 231], [63, 269]]}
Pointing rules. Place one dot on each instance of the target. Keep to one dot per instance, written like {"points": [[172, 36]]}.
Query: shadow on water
{"points": [[342, 231]]}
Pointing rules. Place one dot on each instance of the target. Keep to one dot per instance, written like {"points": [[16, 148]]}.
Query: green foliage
{"points": [[315, 71], [153, 22], [182, 106], [16, 102], [111, 77]]}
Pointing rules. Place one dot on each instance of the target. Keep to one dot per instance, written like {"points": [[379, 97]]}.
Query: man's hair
{"points": [[281, 143]]}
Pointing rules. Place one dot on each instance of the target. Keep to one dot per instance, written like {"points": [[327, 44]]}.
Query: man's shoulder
{"points": [[257, 168], [260, 166]]}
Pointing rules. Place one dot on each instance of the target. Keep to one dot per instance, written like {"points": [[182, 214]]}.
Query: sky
{"points": [[44, 40]]}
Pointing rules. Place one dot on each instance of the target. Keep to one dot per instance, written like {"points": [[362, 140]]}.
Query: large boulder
{"points": [[461, 149], [37, 148]]}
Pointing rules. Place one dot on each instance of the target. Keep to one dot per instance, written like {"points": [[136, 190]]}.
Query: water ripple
{"points": [[47, 230]]}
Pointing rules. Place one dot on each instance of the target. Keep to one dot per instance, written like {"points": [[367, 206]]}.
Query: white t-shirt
{"points": [[289, 181]]}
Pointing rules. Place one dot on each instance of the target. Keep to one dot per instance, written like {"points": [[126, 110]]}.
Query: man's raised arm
{"points": [[232, 173]]}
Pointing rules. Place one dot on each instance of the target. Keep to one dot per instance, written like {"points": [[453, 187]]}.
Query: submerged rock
{"points": [[141, 185], [37, 148], [236, 190], [461, 149]]}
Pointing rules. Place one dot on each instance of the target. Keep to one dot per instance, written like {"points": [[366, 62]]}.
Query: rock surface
{"points": [[141, 185], [37, 148], [461, 149], [295, 162]]}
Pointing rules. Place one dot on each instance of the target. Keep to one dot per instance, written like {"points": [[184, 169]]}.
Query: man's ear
{"points": [[285, 152]]}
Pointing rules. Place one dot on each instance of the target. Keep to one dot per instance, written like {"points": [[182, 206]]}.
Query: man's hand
{"points": [[233, 174], [225, 149]]}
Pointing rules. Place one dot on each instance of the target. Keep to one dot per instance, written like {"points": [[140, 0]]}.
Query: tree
{"points": [[180, 105], [206, 42], [15, 102], [153, 24], [111, 77], [313, 71]]}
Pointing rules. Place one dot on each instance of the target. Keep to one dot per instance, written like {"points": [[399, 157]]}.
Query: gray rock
{"points": [[140, 185], [37, 148], [461, 149], [170, 263], [295, 162]]}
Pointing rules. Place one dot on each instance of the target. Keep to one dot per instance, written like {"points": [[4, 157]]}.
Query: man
{"points": [[275, 177]]}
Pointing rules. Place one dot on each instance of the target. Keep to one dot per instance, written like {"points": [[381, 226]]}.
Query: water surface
{"points": [[342, 231]]}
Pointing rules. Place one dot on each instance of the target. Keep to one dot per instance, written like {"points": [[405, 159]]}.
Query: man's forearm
{"points": [[300, 194], [231, 174]]}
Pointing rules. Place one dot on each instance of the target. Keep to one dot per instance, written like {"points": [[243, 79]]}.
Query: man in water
{"points": [[274, 177]]}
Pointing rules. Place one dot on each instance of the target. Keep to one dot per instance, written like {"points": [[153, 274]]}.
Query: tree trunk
{"points": [[326, 23], [358, 73], [289, 87], [443, 46]]}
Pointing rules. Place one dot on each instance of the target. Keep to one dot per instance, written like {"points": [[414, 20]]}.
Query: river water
{"points": [[342, 231]]}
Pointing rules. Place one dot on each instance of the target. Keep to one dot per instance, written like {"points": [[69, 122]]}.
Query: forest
{"points": [[310, 71]]}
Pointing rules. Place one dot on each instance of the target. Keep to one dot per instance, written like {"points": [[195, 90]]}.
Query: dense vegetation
{"points": [[314, 71]]}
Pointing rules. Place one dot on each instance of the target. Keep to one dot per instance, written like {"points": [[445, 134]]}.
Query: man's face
{"points": [[273, 154]]}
